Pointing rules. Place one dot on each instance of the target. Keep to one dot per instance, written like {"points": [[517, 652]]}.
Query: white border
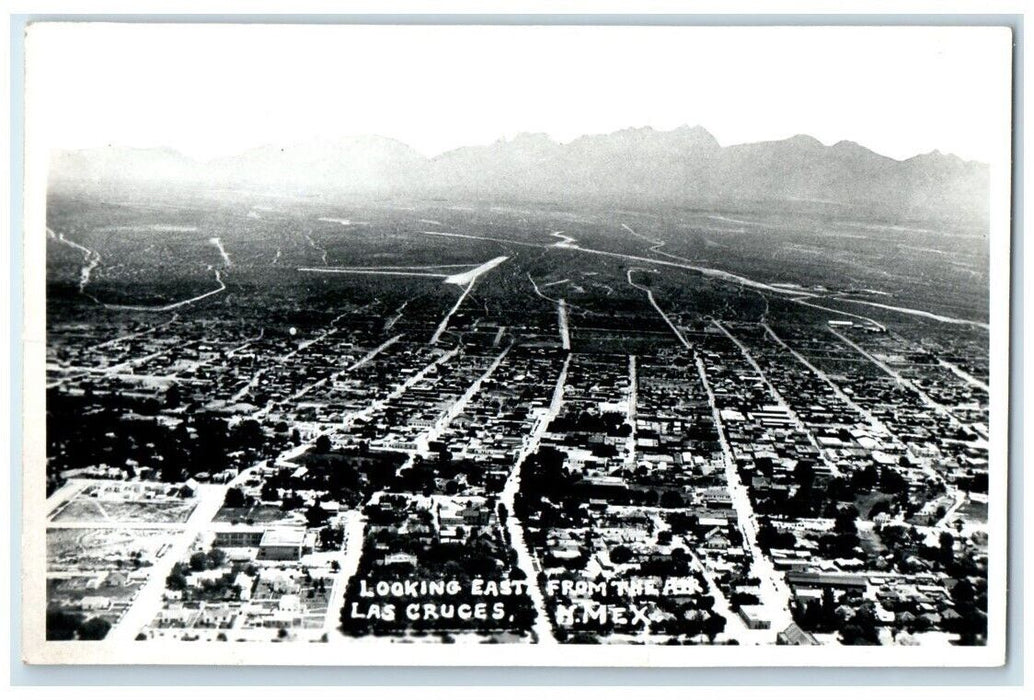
{"points": [[381, 653]]}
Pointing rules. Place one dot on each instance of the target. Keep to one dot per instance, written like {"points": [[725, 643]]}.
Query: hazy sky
{"points": [[210, 90]]}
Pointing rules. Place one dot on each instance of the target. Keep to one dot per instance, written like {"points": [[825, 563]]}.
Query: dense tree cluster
{"points": [[63, 626]]}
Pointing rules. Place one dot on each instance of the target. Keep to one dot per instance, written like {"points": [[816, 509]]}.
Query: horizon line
{"points": [[505, 138]]}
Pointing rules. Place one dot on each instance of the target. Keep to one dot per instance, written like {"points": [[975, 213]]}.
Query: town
{"points": [[506, 434]]}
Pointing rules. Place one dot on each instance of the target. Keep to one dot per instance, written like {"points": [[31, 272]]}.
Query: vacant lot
{"points": [[103, 549], [254, 514], [84, 509]]}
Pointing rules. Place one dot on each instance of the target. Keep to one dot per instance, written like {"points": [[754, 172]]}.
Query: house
{"points": [[795, 636], [399, 558], [95, 602], [189, 489], [753, 617]]}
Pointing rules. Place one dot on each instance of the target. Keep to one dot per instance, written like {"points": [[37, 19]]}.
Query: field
{"points": [[252, 514], [934, 266], [83, 509], [81, 549]]}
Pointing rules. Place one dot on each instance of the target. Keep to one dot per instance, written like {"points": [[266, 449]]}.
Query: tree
{"points": [[829, 605], [216, 558], [713, 626], [176, 580], [861, 630], [248, 433], [331, 538], [173, 397], [891, 480], [234, 498], [671, 499], [198, 561], [95, 628], [270, 492], [963, 592], [621, 554], [865, 479], [770, 536], [62, 626], [804, 474], [846, 521], [291, 501], [323, 445], [316, 515], [171, 472], [947, 549]]}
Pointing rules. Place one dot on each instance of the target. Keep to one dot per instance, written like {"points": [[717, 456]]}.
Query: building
{"points": [[753, 617], [282, 544], [239, 536], [795, 636]]}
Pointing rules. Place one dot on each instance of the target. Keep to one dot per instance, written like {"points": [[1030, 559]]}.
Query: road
{"points": [[542, 627], [919, 312], [320, 382], [435, 431], [468, 277], [561, 307], [149, 600], [116, 369], [796, 295], [649, 294], [839, 312], [780, 401], [137, 334], [964, 376], [959, 501], [630, 412], [365, 359], [565, 334], [318, 248], [174, 305], [872, 420], [397, 315], [354, 529], [365, 271], [284, 459], [902, 380], [445, 321], [65, 492], [564, 242], [91, 258], [222, 251], [735, 627], [774, 593], [875, 424], [288, 355], [508, 241], [399, 390]]}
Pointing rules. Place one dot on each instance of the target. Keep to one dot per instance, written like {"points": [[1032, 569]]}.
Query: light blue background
{"points": [[1011, 674]]}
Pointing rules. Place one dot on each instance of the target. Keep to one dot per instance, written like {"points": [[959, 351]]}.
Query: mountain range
{"points": [[686, 165]]}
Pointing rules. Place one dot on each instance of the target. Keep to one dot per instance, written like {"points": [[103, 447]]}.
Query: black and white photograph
{"points": [[516, 345]]}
